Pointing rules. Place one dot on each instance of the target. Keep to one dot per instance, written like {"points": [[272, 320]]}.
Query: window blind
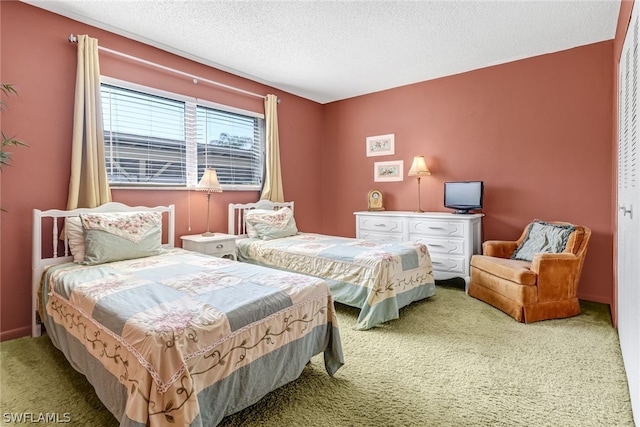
{"points": [[145, 138], [230, 143], [156, 140]]}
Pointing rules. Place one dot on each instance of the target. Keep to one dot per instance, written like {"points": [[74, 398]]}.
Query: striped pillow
{"points": [[543, 237]]}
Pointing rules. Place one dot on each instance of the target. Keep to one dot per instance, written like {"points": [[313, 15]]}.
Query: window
{"points": [[155, 138], [227, 142]]}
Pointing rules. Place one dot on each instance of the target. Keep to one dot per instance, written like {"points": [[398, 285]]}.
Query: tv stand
{"points": [[450, 237]]}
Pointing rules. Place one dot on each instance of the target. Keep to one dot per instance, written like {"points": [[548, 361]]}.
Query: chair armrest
{"points": [[498, 248], [558, 276]]}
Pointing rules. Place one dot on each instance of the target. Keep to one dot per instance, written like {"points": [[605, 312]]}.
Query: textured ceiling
{"points": [[331, 50]]}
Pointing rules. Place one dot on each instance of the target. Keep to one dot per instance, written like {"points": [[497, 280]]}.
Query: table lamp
{"points": [[419, 169], [209, 183]]}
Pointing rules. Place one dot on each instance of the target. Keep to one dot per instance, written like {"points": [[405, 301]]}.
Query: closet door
{"points": [[628, 217]]}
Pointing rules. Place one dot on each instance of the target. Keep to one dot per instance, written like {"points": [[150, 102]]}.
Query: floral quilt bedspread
{"points": [[379, 277], [170, 325]]}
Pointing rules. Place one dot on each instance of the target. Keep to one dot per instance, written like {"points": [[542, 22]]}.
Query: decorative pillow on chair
{"points": [[271, 224], [543, 237], [119, 236]]}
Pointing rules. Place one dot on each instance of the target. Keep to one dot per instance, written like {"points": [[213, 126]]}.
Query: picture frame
{"points": [[381, 145], [388, 171]]}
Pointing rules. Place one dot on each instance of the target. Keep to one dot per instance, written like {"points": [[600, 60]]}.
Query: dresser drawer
{"points": [[425, 227], [380, 224], [449, 264], [372, 235], [443, 246]]}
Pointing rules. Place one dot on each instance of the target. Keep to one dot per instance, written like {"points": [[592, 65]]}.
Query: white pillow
{"points": [[272, 224], [251, 216], [75, 235], [250, 229]]}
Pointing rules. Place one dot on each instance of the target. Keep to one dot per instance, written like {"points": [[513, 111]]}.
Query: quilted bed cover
{"points": [[187, 338], [379, 277]]}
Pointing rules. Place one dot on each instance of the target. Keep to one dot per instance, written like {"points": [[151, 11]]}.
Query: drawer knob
{"points": [[220, 246]]}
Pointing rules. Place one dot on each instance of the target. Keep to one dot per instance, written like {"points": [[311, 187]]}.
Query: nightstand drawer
{"points": [[435, 228], [217, 244], [217, 248]]}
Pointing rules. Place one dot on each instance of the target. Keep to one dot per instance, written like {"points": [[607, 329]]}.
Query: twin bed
{"points": [[378, 277], [169, 336]]}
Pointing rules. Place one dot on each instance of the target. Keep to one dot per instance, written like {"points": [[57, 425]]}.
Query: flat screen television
{"points": [[463, 196]]}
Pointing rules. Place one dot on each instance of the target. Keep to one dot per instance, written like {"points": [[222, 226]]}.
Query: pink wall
{"points": [[536, 131], [39, 60]]}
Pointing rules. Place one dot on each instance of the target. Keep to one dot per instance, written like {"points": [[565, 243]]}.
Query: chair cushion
{"points": [[574, 243], [516, 271], [543, 237]]}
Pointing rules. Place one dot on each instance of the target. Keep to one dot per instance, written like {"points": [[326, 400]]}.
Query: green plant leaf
{"points": [[7, 89], [5, 156]]}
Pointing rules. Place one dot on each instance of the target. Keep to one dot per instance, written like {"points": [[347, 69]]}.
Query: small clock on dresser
{"points": [[375, 201]]}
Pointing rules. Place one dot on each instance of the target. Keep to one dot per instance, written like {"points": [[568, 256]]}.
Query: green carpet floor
{"points": [[450, 360]]}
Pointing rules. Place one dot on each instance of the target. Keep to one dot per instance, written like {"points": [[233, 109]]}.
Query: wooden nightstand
{"points": [[219, 244]]}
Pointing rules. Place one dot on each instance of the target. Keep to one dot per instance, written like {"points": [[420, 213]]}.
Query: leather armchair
{"points": [[544, 288]]}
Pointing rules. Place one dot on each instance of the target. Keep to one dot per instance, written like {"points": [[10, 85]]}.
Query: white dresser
{"points": [[451, 238]]}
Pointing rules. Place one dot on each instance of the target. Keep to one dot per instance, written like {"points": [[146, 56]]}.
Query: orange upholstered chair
{"points": [[535, 277]]}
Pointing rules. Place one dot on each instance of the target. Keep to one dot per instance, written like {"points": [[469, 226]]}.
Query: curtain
{"points": [[272, 186], [88, 186]]}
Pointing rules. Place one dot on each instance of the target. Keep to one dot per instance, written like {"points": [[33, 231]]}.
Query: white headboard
{"points": [[237, 211], [58, 251]]}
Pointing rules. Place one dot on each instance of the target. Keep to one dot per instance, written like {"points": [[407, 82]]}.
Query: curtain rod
{"points": [[196, 79]]}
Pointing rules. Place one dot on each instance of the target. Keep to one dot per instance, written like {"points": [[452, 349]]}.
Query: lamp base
{"points": [[208, 233]]}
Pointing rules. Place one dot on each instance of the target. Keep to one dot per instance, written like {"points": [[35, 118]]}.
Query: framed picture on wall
{"points": [[388, 171], [381, 145]]}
